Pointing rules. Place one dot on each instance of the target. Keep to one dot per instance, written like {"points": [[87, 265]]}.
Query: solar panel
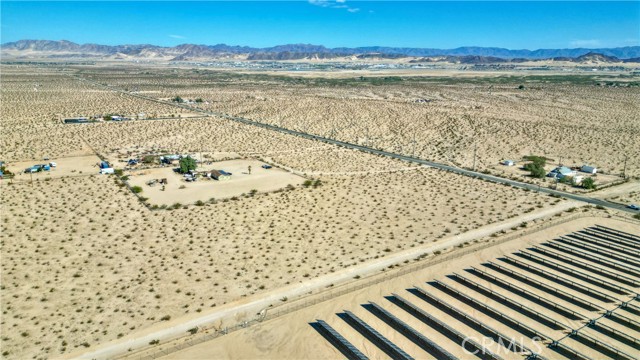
{"points": [[470, 321], [562, 310], [494, 313], [374, 336], [525, 310], [576, 274], [545, 287], [337, 340], [562, 280], [463, 340], [413, 335]]}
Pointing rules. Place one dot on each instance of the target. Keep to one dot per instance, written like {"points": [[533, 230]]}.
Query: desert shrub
{"points": [[177, 99], [165, 318], [589, 183], [149, 159], [199, 203], [118, 172], [136, 189]]}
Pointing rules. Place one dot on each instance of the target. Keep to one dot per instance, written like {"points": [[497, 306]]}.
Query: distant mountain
{"points": [[471, 55]]}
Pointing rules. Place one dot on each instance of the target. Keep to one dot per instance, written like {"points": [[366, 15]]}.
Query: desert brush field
{"points": [[85, 261]]}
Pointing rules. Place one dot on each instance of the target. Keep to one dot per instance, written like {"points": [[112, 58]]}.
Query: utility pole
{"points": [[624, 170], [413, 147], [475, 148]]}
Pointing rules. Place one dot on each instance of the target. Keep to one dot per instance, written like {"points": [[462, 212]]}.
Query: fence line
{"points": [[210, 333]]}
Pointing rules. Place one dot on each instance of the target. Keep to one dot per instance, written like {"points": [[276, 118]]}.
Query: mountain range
{"points": [[471, 54]]}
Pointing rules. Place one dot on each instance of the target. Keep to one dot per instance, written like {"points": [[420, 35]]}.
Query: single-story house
{"points": [[589, 169], [560, 172], [217, 175]]}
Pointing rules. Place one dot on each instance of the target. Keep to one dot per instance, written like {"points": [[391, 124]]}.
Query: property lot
{"points": [[458, 303], [69, 166], [518, 173], [177, 190]]}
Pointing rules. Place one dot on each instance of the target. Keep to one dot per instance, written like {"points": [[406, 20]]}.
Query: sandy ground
{"points": [[240, 183], [291, 336], [558, 119], [65, 167], [85, 263], [233, 313], [111, 267]]}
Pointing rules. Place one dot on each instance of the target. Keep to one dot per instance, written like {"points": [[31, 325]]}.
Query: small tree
{"points": [[187, 164], [589, 183], [536, 166], [136, 189], [249, 169], [199, 100], [177, 99]]}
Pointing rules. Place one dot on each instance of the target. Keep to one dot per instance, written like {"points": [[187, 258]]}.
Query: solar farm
{"points": [[574, 297]]}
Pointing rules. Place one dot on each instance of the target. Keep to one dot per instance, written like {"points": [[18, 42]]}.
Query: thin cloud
{"points": [[585, 43], [334, 4], [177, 36]]}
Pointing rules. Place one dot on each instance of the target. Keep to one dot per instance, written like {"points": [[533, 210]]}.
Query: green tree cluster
{"points": [[187, 164], [589, 183], [536, 166]]}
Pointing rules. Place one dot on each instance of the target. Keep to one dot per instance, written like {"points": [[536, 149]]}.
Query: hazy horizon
{"points": [[513, 25]]}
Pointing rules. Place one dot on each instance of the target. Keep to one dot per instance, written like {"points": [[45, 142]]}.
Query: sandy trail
{"points": [[176, 329]]}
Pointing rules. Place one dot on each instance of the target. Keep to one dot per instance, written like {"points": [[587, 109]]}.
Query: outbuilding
{"points": [[217, 175], [589, 169]]}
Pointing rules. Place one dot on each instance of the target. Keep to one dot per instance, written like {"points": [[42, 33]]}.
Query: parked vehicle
{"points": [[53, 164], [265, 166], [225, 173], [634, 207]]}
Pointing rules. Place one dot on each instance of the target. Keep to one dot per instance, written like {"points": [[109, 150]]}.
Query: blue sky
{"points": [[446, 24]]}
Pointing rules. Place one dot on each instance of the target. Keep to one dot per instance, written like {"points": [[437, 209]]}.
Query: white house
{"points": [[560, 172], [589, 169]]}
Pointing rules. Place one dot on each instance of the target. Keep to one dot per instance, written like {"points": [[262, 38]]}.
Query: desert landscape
{"points": [[433, 302], [88, 261]]}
